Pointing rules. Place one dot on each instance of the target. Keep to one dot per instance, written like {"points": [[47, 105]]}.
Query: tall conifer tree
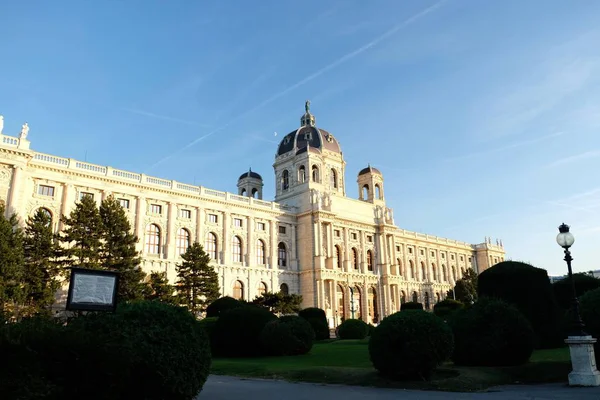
{"points": [[119, 252], [198, 283], [40, 267], [159, 288], [12, 291], [82, 235]]}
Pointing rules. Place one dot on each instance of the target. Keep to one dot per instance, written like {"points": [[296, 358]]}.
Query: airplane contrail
{"points": [[309, 78]]}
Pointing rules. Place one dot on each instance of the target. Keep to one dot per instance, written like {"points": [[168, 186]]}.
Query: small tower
{"points": [[250, 184], [370, 185]]}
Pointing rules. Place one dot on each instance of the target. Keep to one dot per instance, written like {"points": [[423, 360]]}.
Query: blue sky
{"points": [[483, 116]]}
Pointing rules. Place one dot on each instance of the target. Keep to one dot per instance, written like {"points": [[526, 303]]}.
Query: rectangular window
{"points": [[470, 259], [260, 226], [155, 208], [410, 250], [86, 194], [422, 252], [398, 248], [213, 218], [337, 233], [237, 222], [282, 229], [370, 239], [187, 214], [124, 203], [452, 256], [443, 255], [45, 190], [432, 254], [354, 236], [462, 258]]}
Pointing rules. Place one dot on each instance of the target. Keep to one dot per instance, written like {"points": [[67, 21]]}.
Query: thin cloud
{"points": [[311, 77], [575, 158], [164, 117]]}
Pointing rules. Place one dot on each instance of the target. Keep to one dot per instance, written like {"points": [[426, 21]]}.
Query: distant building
{"points": [[595, 274], [312, 240]]}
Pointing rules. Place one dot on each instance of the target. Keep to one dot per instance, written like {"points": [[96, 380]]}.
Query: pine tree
{"points": [[198, 283], [119, 252], [82, 235], [159, 289], [40, 267], [12, 292]]}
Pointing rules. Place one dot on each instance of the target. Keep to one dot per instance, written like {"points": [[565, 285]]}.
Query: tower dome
{"points": [[308, 137], [250, 184]]}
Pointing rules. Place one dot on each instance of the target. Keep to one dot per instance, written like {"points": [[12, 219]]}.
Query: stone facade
{"points": [[312, 240]]}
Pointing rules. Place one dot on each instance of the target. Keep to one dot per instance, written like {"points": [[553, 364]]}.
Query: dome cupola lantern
{"points": [[307, 119]]}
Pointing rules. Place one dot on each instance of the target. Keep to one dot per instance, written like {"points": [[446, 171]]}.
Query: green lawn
{"points": [[347, 362]]}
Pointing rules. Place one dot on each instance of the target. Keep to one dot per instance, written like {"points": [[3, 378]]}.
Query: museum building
{"points": [[341, 254]]}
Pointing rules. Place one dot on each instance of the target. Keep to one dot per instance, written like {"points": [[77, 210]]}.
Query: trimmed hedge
{"points": [[147, 350], [447, 307], [590, 314], [491, 333], [353, 329], [237, 332], [287, 336], [410, 344], [411, 305], [221, 305], [564, 292], [318, 320], [527, 288], [208, 324]]}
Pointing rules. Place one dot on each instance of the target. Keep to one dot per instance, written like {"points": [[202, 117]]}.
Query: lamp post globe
{"points": [[565, 239]]}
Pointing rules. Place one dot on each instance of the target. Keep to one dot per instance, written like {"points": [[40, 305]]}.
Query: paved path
{"points": [[230, 388]]}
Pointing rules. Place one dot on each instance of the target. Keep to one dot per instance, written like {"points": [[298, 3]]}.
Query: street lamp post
{"points": [[565, 239], [581, 345]]}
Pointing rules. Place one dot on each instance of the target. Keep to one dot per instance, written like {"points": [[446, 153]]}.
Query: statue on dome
{"points": [[307, 106], [24, 131], [1, 123]]}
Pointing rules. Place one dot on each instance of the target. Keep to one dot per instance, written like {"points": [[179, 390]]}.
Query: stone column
{"points": [[171, 244], [294, 251], [66, 203], [585, 372], [225, 256], [14, 195], [330, 251], [347, 262], [273, 247], [365, 300], [335, 300], [199, 225], [251, 248], [140, 213]]}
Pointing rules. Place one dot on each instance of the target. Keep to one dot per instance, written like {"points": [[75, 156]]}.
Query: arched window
{"points": [[285, 180], [444, 274], [284, 289], [354, 258], [315, 173], [48, 215], [365, 192], [434, 272], [211, 245], [262, 288], [153, 239], [334, 179], [412, 268], [415, 297], [243, 192], [357, 300], [254, 192], [302, 174], [402, 297], [400, 269], [281, 255], [338, 257], [238, 290], [427, 304], [237, 249], [369, 260], [183, 240], [423, 271], [373, 311], [454, 273], [377, 192], [260, 253]]}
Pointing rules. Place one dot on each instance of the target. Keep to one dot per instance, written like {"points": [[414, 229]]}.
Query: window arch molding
{"points": [[153, 238]]}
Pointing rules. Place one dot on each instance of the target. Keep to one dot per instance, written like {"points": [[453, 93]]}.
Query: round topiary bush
{"points": [[318, 320], [410, 344], [237, 332], [491, 333], [287, 336], [353, 329], [447, 307], [529, 289], [590, 314], [411, 305], [564, 292], [221, 305]]}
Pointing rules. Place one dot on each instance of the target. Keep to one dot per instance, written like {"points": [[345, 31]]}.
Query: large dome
{"points": [[308, 137]]}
